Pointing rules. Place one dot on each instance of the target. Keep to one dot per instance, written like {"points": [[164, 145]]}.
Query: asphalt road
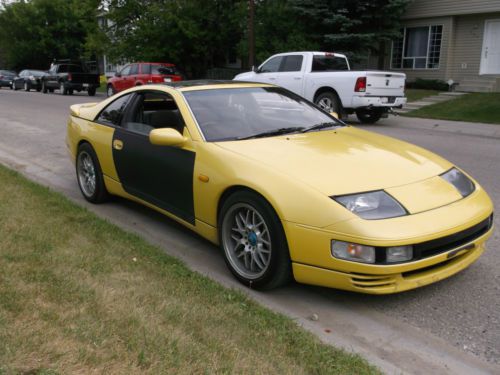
{"points": [[449, 327]]}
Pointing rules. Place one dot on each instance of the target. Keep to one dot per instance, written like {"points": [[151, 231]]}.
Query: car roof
{"points": [[204, 84]]}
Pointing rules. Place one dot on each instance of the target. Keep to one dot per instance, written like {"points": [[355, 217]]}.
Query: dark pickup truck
{"points": [[69, 77]]}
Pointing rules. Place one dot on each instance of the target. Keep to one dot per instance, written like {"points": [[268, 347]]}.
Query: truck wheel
{"points": [[91, 91], [63, 89], [328, 102], [368, 116]]}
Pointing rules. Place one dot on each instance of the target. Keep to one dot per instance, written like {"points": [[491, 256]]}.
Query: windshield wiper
{"points": [[321, 125], [269, 133]]}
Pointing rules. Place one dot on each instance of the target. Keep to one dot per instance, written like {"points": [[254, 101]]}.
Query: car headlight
{"points": [[397, 254], [373, 205], [353, 252], [460, 181]]}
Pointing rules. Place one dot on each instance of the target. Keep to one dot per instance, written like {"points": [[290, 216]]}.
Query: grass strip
{"points": [[475, 107], [80, 295], [414, 95]]}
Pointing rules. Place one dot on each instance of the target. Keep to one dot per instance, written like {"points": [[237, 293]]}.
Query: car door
{"points": [[160, 175], [122, 79], [134, 75], [267, 72], [290, 74]]}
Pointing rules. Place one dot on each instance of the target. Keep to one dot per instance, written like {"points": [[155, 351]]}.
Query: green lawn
{"points": [[80, 295], [475, 107], [414, 95]]}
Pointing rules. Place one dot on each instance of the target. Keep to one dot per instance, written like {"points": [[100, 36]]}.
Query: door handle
{"points": [[117, 144]]}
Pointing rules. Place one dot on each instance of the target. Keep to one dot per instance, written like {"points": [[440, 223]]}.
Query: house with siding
{"points": [[455, 40]]}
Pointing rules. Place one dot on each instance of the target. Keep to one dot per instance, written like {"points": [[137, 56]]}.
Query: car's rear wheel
{"points": [[368, 116], [89, 175], [253, 241]]}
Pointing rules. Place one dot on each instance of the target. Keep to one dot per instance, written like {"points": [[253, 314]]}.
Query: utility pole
{"points": [[251, 34]]}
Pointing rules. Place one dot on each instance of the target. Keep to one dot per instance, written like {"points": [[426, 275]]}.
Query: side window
{"points": [[125, 71], [62, 69], [146, 68], [153, 110], [272, 65], [113, 113], [292, 63], [134, 69]]}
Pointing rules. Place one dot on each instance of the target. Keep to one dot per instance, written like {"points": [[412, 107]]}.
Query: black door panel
{"points": [[160, 175]]}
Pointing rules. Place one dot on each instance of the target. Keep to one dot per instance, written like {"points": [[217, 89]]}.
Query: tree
{"points": [[33, 33], [356, 27], [194, 34]]}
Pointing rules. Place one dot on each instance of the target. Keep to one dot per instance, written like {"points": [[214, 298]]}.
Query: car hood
{"points": [[344, 161]]}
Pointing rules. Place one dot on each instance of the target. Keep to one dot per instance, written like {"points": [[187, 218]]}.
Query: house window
{"points": [[419, 48]]}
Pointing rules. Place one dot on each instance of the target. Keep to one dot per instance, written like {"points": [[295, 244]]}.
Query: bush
{"points": [[427, 84]]}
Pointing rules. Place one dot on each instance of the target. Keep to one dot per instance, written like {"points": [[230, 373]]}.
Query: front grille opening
{"points": [[413, 273]]}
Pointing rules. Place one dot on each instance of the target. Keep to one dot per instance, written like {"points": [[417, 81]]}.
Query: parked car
{"points": [[28, 80], [6, 77], [68, 77], [142, 73], [286, 189], [327, 80]]}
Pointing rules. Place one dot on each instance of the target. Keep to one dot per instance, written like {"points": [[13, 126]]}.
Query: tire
{"points": [[89, 175], [70, 92], [368, 116], [26, 86], [91, 91], [15, 87], [256, 254], [38, 89], [51, 90], [63, 89], [44, 87], [110, 91], [328, 102]]}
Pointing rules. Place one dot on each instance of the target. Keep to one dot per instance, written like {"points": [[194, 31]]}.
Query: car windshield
{"points": [[235, 113]]}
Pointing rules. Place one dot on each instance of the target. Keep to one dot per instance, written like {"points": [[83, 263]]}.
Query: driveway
{"points": [[449, 327]]}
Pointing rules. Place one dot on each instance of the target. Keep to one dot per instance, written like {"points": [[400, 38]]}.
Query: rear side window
{"points": [[328, 63], [146, 68], [113, 113], [292, 63], [272, 65], [165, 70]]}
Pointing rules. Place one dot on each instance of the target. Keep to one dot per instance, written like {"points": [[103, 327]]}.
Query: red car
{"points": [[142, 73]]}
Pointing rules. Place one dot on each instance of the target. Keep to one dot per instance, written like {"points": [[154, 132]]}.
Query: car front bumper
{"points": [[313, 263]]}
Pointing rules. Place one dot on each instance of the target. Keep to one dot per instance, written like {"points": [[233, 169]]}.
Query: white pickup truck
{"points": [[326, 79]]}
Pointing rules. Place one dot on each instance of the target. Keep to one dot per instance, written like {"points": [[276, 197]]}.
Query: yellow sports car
{"points": [[286, 189]]}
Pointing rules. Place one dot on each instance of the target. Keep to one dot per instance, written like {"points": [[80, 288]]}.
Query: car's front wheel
{"points": [[110, 91], [253, 241], [89, 175]]}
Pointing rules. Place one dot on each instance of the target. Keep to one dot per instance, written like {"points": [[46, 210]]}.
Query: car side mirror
{"points": [[118, 74], [335, 114], [166, 137]]}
